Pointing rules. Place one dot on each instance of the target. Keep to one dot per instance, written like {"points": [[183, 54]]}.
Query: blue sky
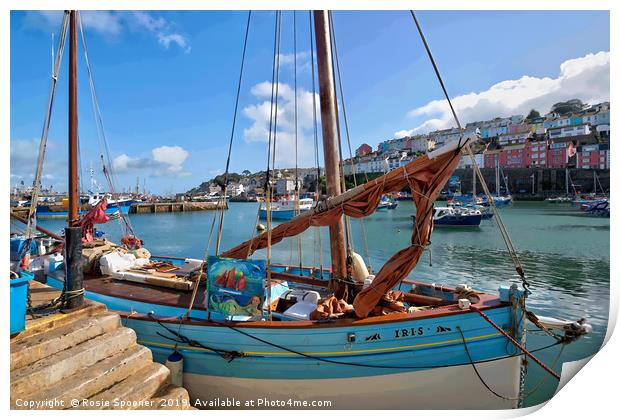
{"points": [[167, 81]]}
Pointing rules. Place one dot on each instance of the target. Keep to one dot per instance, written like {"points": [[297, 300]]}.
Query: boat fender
{"points": [[260, 227], [464, 303], [359, 270], [174, 362]]}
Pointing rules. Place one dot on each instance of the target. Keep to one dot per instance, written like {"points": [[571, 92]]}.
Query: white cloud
{"points": [[102, 21], [260, 112], [113, 24], [148, 21], [172, 156], [585, 78], [163, 161], [161, 28], [178, 39], [303, 60]]}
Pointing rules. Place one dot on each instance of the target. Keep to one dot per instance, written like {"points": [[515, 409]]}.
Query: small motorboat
{"points": [[387, 203], [285, 209]]}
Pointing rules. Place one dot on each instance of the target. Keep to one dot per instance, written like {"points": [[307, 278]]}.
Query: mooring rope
{"points": [[515, 342]]}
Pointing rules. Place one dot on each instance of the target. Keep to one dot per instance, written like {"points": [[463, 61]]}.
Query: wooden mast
{"points": [[73, 232], [73, 123], [329, 125]]}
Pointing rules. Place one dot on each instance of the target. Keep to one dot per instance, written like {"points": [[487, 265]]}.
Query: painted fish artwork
{"points": [[236, 286]]}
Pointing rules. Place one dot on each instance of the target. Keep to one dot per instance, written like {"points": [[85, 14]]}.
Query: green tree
{"points": [[567, 107], [532, 115]]}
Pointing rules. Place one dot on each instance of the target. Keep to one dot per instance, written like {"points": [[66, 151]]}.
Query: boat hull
{"points": [[415, 362], [277, 214], [460, 220], [460, 389], [430, 369]]}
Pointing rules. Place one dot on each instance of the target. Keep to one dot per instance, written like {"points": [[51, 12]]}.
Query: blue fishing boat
{"points": [[250, 328], [285, 209]]}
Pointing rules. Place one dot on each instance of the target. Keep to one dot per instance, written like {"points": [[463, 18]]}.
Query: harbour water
{"points": [[565, 254]]}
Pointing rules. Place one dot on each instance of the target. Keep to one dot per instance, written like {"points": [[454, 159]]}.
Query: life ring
{"points": [[131, 242]]}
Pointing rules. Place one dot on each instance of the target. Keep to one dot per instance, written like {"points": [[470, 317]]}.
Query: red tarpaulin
{"points": [[95, 216]]}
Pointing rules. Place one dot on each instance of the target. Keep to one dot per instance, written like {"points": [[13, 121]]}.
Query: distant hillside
{"points": [[219, 180]]}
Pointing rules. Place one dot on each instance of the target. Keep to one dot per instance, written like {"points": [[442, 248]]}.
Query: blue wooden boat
{"points": [[456, 217], [285, 209]]}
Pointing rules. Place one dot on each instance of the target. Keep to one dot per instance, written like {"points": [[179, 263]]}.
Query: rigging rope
{"points": [[343, 186], [500, 224], [36, 183], [201, 272], [273, 121], [232, 136]]}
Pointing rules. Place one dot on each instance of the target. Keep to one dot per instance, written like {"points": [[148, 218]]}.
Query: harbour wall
{"points": [[547, 182], [143, 208]]}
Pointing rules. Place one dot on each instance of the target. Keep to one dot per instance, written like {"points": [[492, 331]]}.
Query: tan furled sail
{"points": [[425, 176]]}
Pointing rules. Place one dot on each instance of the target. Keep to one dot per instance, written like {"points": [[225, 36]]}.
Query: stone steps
{"points": [[40, 346], [44, 324], [96, 378], [85, 359], [52, 369]]}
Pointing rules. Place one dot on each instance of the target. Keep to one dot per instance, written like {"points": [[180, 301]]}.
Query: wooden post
{"points": [[329, 125]]}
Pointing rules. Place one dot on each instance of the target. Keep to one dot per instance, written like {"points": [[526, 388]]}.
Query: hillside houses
{"points": [[577, 139]]}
